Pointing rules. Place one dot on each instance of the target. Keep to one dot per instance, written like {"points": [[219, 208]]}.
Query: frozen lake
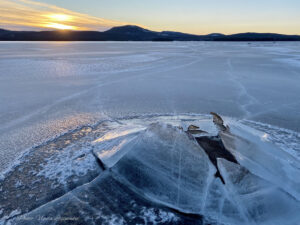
{"points": [[48, 88]]}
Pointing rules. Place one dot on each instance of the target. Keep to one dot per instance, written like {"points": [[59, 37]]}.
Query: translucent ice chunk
{"points": [[263, 159], [259, 201], [112, 146], [167, 167]]}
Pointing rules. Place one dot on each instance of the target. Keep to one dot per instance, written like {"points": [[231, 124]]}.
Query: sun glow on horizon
{"points": [[33, 15], [36, 15], [60, 26], [59, 17], [56, 19]]}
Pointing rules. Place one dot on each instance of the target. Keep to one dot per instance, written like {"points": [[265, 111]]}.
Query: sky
{"points": [[190, 16]]}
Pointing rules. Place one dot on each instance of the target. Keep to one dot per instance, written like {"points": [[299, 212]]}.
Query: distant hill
{"points": [[135, 33]]}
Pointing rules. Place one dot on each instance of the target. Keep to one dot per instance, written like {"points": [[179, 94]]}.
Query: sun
{"points": [[60, 17], [59, 21], [60, 26]]}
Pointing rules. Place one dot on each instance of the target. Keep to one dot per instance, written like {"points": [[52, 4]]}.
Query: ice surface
{"points": [[49, 171], [73, 161], [105, 200], [48, 88], [263, 158], [154, 161], [154, 168], [111, 151], [111, 147], [163, 164], [166, 166], [286, 139], [257, 200]]}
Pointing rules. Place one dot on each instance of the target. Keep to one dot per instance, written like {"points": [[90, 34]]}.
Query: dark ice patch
{"points": [[215, 149]]}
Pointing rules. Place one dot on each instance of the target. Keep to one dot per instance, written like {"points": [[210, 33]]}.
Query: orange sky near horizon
{"points": [[31, 15]]}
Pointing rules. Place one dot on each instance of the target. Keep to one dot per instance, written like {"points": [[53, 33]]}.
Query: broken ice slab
{"points": [[105, 200], [110, 148], [162, 174], [167, 167], [258, 201], [262, 158]]}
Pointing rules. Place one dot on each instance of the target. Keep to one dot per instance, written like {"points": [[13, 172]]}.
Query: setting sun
{"points": [[60, 26], [60, 17], [56, 19]]}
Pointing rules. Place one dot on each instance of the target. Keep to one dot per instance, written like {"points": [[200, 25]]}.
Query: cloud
{"points": [[31, 15]]}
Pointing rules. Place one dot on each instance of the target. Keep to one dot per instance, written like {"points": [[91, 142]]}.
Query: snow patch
{"points": [[157, 216], [71, 161]]}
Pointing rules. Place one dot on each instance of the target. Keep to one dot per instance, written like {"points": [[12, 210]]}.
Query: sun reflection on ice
{"points": [[117, 134], [265, 137]]}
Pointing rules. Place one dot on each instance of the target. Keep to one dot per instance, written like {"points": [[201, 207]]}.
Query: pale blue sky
{"points": [[195, 16]]}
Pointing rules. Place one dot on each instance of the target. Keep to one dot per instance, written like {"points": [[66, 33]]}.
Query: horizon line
{"points": [[146, 28]]}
